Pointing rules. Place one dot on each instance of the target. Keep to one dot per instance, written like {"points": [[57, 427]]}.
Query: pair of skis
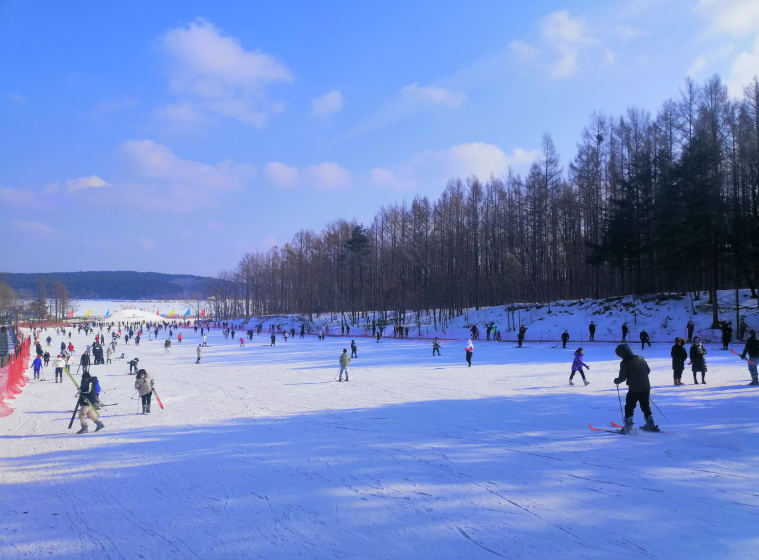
{"points": [[620, 429]]}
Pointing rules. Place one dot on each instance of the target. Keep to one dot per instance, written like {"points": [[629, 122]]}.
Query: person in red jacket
{"points": [[71, 347], [242, 341]]}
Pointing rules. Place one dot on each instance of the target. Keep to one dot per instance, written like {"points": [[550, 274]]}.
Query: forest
{"points": [[648, 204]]}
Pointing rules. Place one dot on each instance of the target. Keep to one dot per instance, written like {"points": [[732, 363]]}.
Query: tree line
{"points": [[648, 204]]}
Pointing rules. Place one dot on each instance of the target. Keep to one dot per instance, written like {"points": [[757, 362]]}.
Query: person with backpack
{"points": [[144, 384], [345, 361], [86, 403], [752, 350], [435, 347], [469, 349], [679, 355], [697, 360], [577, 365], [634, 371]]}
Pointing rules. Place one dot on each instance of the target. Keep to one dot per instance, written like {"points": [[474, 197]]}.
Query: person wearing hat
{"points": [[697, 360], [59, 363], [87, 398], [144, 384], [679, 355], [752, 350], [345, 361]]}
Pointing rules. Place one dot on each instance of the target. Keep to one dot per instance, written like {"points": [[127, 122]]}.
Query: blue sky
{"points": [[175, 136]]}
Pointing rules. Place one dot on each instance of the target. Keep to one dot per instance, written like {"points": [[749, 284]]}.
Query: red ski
{"points": [[158, 399], [621, 432], [736, 353]]}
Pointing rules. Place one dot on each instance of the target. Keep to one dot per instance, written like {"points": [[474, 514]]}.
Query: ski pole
{"points": [[620, 404], [657, 408]]}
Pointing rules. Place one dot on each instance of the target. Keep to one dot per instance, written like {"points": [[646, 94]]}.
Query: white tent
{"points": [[135, 316]]}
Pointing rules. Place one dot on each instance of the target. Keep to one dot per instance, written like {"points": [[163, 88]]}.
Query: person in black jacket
{"points": [[634, 370], [84, 361], [697, 360], [644, 339], [625, 331], [679, 355], [87, 397], [592, 330], [752, 350], [354, 349], [564, 339]]}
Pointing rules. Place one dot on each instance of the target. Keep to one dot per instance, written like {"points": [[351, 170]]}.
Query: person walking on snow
{"points": [[592, 330], [634, 371], [644, 339], [690, 326], [520, 335], [565, 339], [679, 355], [59, 364], [37, 366], [697, 360], [577, 365], [108, 354], [742, 326], [345, 361], [625, 331], [435, 347], [179, 338], [273, 339], [469, 349], [354, 349], [199, 352], [87, 398], [167, 345], [144, 384], [84, 361], [727, 335], [752, 349]]}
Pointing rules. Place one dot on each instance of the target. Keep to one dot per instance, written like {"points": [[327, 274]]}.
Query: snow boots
{"points": [[147, 409], [650, 426], [83, 430], [99, 425], [629, 425]]}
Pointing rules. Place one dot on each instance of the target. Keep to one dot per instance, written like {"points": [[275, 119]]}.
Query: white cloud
{"points": [[13, 196], [91, 182], [16, 98], [282, 175], [701, 62], [433, 95], [523, 52], [214, 75], [745, 67], [566, 36], [328, 104], [611, 57], [734, 17], [36, 228], [326, 176]]}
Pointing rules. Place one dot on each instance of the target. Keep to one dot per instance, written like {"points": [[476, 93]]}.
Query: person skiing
{"points": [[469, 349], [144, 384], [644, 339], [49, 339], [179, 338], [354, 349], [59, 363], [435, 347], [37, 366], [592, 330], [285, 334], [87, 399], [345, 361], [46, 358], [273, 339], [689, 327], [134, 365], [71, 348], [204, 340], [625, 331], [577, 365], [679, 355], [167, 345], [634, 371], [752, 350], [84, 361], [697, 360], [520, 335], [199, 352], [565, 339]]}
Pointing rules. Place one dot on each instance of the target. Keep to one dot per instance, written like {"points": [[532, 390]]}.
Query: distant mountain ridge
{"points": [[117, 284]]}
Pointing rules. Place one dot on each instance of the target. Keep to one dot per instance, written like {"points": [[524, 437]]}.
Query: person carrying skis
{"points": [[59, 363], [144, 384], [435, 346], [565, 339], [644, 339], [679, 355], [167, 345], [577, 365], [625, 331], [199, 352], [273, 339], [354, 349], [469, 349], [592, 330], [345, 361], [634, 371], [697, 360], [87, 398], [37, 366], [752, 350], [520, 335]]}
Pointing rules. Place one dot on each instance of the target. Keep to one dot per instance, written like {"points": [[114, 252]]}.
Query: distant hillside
{"points": [[114, 285]]}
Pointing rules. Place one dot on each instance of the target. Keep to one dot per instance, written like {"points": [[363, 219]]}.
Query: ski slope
{"points": [[259, 453]]}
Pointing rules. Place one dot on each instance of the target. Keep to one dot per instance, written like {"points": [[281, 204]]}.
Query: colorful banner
{"points": [[88, 313], [188, 311], [172, 313]]}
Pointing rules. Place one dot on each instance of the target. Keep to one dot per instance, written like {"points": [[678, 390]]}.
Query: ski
{"points": [[620, 432], [77, 388], [649, 431], [157, 398], [736, 353]]}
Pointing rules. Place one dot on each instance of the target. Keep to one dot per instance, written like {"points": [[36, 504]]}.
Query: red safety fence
{"points": [[12, 377]]}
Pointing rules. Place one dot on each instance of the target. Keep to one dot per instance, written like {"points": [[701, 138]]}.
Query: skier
{"points": [[345, 360], [679, 355], [167, 345], [690, 326], [179, 338], [71, 348], [577, 365], [46, 358], [59, 364], [242, 341], [697, 360], [199, 352], [49, 339], [634, 370], [752, 349], [144, 384], [204, 340], [84, 361], [592, 330], [354, 349], [273, 339], [435, 347], [37, 365], [520, 335], [625, 331], [565, 339], [87, 399], [644, 339], [285, 334], [134, 365], [469, 349]]}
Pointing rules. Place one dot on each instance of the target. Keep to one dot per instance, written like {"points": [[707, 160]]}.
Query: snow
{"points": [[133, 315], [259, 453]]}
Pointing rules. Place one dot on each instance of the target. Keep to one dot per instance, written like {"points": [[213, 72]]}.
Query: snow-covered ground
{"points": [[259, 453]]}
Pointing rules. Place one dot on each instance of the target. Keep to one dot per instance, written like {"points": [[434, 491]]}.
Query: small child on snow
{"points": [[242, 341], [577, 365]]}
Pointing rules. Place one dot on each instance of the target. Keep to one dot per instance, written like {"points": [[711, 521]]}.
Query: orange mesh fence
{"points": [[12, 378]]}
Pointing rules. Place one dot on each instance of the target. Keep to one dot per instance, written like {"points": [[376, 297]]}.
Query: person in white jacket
{"points": [[59, 363], [108, 354], [199, 351]]}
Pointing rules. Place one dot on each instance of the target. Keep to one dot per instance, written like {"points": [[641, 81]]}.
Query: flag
{"points": [[204, 312], [71, 313], [107, 313], [172, 313], [88, 313], [188, 311], [158, 312]]}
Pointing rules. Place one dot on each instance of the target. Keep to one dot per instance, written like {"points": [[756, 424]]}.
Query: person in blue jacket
{"points": [[37, 365]]}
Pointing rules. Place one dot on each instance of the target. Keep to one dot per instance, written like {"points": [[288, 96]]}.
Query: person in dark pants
{"points": [[354, 349], [644, 339], [144, 384], [564, 339], [273, 339], [679, 355], [697, 360], [625, 332], [435, 347], [84, 361], [520, 335], [634, 371], [727, 335], [469, 348], [690, 326], [752, 350], [592, 330]]}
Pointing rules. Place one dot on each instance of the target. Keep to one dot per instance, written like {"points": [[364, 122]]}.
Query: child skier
{"points": [[634, 370], [577, 365], [679, 355], [242, 341], [697, 360]]}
